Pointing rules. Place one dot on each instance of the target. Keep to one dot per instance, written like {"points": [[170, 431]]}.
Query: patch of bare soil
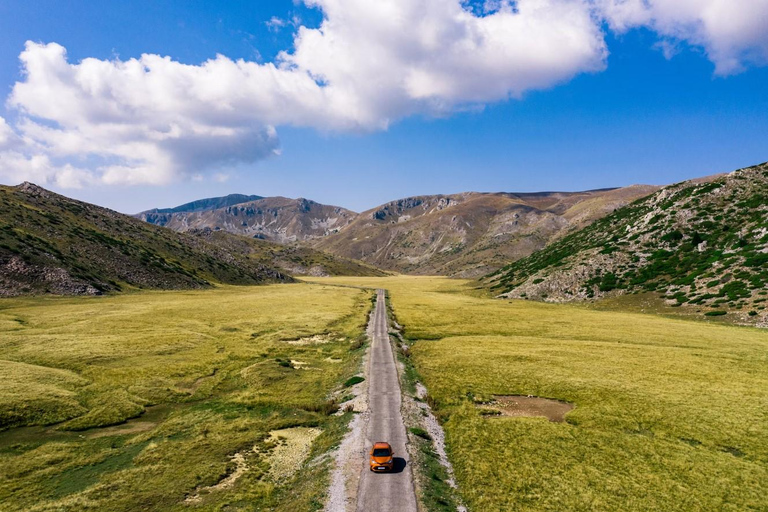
{"points": [[292, 446], [528, 407], [317, 339], [288, 450]]}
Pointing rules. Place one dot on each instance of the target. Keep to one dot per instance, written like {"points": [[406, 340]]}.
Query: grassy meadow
{"points": [[671, 414], [154, 400]]}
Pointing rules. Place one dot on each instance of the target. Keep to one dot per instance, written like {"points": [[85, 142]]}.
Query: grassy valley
{"points": [[231, 387], [192, 393]]}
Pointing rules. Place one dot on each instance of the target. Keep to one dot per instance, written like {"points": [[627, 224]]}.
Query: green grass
{"points": [[670, 413], [208, 358]]}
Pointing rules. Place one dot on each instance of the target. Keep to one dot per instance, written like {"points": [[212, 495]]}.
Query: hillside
{"points": [[277, 219], [290, 259], [469, 234], [52, 244], [701, 244]]}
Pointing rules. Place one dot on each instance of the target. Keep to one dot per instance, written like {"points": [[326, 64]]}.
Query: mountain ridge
{"points": [[467, 234], [278, 219], [391, 236]]}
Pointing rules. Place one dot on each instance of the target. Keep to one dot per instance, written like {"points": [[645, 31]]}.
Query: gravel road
{"points": [[385, 491]]}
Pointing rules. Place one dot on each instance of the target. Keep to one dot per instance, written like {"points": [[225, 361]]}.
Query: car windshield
{"points": [[381, 452]]}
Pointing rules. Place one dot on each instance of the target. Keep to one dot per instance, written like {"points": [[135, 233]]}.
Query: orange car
{"points": [[382, 457]]}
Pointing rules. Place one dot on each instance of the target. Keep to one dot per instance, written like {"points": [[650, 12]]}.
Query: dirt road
{"points": [[385, 491]]}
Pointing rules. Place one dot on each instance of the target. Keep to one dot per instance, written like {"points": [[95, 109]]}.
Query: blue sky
{"points": [[631, 115]]}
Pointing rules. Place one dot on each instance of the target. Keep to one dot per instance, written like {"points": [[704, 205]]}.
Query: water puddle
{"points": [[527, 407]]}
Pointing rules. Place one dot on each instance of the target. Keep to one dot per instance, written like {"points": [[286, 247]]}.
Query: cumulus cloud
{"points": [[370, 63], [154, 120], [148, 120], [16, 167], [731, 32], [387, 60], [7, 135]]}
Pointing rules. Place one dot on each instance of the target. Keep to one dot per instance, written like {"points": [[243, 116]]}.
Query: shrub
{"points": [[353, 380], [715, 313], [420, 432]]}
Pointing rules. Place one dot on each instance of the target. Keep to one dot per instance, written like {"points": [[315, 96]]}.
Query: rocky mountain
{"points": [[272, 218], [701, 244], [469, 234], [52, 244]]}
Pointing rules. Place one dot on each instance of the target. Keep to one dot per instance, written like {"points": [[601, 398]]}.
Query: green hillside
{"points": [[52, 244], [701, 244]]}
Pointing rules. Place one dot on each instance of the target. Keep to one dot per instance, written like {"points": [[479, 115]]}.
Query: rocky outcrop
{"points": [[276, 219], [19, 278]]}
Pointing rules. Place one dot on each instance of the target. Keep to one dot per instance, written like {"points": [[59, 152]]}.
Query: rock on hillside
{"points": [[469, 234], [53, 244], [277, 219], [701, 244]]}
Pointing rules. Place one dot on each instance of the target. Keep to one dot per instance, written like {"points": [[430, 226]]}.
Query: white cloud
{"points": [[370, 63], [16, 167], [7, 135], [386, 60], [275, 24], [154, 120], [148, 120], [21, 161], [732, 32]]}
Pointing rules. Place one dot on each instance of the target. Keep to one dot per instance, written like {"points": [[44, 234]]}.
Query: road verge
{"points": [[434, 481]]}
